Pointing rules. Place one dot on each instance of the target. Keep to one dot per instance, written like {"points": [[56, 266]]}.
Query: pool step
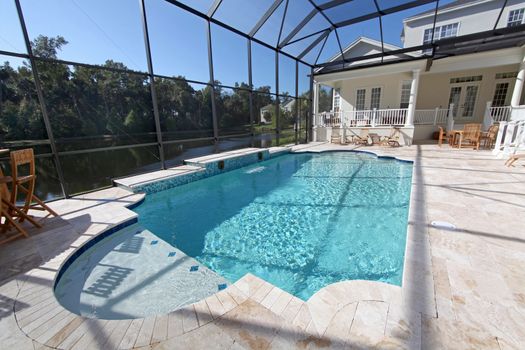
{"points": [[198, 168], [133, 183], [231, 159]]}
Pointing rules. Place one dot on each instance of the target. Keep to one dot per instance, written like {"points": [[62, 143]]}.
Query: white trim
{"points": [[479, 60], [443, 11], [373, 42]]}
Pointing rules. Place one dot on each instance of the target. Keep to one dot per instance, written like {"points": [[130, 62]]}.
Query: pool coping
{"points": [[320, 308]]}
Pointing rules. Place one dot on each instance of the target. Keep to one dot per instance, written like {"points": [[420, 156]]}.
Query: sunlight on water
{"points": [[300, 221]]}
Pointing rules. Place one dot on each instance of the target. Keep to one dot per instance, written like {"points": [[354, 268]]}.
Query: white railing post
{"points": [[509, 133], [436, 115], [374, 111], [450, 117], [487, 118], [499, 138]]}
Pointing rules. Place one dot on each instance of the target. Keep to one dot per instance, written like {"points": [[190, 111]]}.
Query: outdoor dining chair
{"points": [[488, 137], [470, 136], [25, 183]]}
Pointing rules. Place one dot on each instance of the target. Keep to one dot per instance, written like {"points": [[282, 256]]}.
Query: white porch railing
{"points": [[382, 117], [434, 116], [500, 114], [511, 137], [370, 118]]}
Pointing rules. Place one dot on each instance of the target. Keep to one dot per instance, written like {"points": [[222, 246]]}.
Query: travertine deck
{"points": [[462, 289]]}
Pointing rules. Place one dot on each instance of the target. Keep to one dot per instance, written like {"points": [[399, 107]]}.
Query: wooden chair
{"points": [[7, 209], [362, 139], [25, 184], [393, 139], [470, 136], [336, 135], [489, 137], [376, 139], [445, 136]]}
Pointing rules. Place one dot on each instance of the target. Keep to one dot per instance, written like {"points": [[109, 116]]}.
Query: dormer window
{"points": [[515, 18], [441, 32]]}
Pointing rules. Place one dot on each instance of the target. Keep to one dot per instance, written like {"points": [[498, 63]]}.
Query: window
{"points": [[466, 79], [500, 94], [337, 100], [515, 18], [405, 94], [360, 100], [441, 32], [375, 98], [506, 75]]}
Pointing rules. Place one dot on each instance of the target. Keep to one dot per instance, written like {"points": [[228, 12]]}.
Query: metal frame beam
{"points": [[384, 12], [250, 84], [282, 21], [214, 7], [153, 90], [296, 102], [298, 28], [277, 101], [380, 29], [230, 28], [310, 115], [333, 3], [265, 17], [443, 42], [314, 44], [305, 37], [499, 15], [40, 95], [212, 80], [321, 50]]}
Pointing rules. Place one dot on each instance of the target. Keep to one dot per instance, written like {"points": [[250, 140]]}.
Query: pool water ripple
{"points": [[300, 222]]}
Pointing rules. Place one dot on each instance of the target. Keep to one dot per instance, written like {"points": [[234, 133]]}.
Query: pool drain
{"points": [[443, 225]]}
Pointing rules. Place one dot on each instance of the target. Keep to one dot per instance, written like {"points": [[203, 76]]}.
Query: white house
{"points": [[470, 81]]}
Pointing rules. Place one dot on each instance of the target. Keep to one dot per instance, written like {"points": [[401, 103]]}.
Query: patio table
{"points": [[455, 133]]}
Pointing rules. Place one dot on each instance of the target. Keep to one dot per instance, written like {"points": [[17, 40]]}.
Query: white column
{"points": [[518, 86], [413, 98]]}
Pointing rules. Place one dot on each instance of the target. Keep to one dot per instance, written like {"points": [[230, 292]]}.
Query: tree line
{"points": [[101, 107]]}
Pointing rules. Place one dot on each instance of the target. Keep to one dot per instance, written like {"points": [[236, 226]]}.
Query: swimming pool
{"points": [[299, 221]]}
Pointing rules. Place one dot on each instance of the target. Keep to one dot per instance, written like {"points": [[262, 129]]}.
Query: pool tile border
{"points": [[208, 168]]}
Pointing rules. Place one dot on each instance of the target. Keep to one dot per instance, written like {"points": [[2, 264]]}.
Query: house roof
{"points": [[370, 41]]}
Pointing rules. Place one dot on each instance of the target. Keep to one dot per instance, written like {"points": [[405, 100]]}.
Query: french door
{"points": [[464, 97]]}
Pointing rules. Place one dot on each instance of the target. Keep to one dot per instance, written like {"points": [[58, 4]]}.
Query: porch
{"points": [[483, 88]]}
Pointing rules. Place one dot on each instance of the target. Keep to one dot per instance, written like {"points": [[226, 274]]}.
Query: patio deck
{"points": [[462, 289]]}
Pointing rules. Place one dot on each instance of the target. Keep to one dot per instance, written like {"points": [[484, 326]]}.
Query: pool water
{"points": [[299, 221]]}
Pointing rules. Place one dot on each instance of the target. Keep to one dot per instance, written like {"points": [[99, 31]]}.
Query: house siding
{"points": [[472, 19]]}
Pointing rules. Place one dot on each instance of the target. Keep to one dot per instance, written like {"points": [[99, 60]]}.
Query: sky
{"points": [[97, 30]]}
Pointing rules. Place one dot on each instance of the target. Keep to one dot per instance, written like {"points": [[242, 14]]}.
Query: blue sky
{"points": [[100, 29]]}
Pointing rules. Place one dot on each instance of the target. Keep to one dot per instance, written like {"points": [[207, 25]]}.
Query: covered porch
{"points": [[418, 96]]}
